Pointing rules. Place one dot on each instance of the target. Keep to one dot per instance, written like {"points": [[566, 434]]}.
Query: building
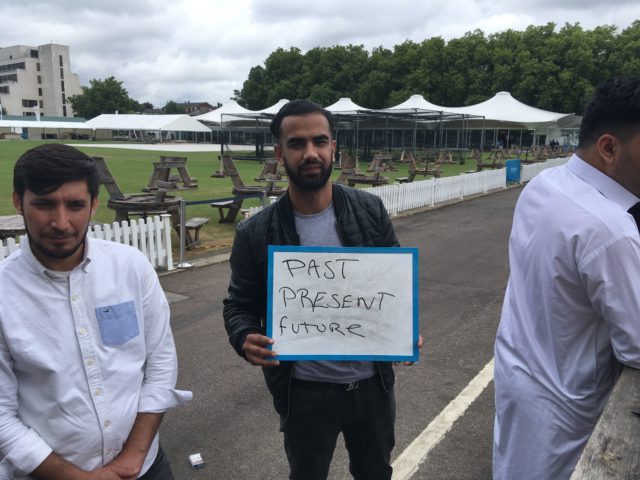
{"points": [[37, 80], [196, 108]]}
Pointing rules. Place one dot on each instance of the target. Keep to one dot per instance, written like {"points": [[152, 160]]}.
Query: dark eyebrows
{"points": [[298, 140]]}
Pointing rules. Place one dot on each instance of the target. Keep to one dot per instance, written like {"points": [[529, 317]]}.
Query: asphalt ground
{"points": [[463, 271]]}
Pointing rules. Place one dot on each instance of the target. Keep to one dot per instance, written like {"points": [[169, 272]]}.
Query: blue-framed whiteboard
{"points": [[343, 303]]}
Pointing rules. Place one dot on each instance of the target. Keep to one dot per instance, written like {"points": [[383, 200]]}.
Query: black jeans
{"points": [[160, 469], [320, 411]]}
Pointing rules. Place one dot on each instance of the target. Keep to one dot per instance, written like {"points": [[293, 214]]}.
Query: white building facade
{"points": [[37, 80]]}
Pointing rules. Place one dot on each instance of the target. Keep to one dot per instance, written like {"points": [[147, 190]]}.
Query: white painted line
{"points": [[409, 461]]}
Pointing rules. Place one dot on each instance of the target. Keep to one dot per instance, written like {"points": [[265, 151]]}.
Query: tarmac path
{"points": [[463, 274]]}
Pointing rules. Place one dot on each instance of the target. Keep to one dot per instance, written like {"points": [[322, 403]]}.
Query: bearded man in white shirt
{"points": [[87, 359], [570, 314]]}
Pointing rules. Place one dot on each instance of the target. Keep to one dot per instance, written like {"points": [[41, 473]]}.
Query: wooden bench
{"points": [[194, 225], [232, 207]]}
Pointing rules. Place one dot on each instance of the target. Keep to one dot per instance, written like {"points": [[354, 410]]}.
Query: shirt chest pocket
{"points": [[118, 323]]}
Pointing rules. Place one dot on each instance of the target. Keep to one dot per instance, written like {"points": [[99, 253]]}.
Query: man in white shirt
{"points": [[87, 359], [570, 314]]}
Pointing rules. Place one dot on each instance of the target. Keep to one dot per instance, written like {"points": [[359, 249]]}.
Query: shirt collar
{"points": [[606, 185], [31, 259]]}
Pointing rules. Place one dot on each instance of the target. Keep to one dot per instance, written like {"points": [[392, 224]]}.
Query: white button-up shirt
{"points": [[572, 306], [81, 353]]}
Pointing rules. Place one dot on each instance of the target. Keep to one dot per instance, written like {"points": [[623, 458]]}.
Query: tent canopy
{"points": [[418, 102], [226, 116], [503, 108], [47, 124], [165, 123], [275, 108], [346, 106]]}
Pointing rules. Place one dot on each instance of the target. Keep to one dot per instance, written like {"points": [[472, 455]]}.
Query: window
{"points": [[61, 72], [29, 114], [39, 80], [29, 103], [38, 66], [8, 78], [34, 53], [41, 104], [4, 89], [64, 111], [39, 92], [64, 99], [60, 59], [62, 85], [12, 66]]}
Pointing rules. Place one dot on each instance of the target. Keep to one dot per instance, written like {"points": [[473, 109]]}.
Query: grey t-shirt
{"points": [[319, 230]]}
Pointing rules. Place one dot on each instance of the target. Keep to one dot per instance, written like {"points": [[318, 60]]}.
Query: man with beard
{"points": [[316, 400], [87, 360]]}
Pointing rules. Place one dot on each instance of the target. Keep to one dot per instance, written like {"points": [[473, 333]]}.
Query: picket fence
{"points": [[402, 197], [152, 236]]}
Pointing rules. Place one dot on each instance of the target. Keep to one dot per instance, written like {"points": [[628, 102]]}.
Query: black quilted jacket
{"points": [[361, 220]]}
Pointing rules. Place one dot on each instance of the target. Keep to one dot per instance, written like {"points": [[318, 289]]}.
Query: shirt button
{"points": [[106, 424], [74, 298], [83, 331], [91, 362], [97, 392]]}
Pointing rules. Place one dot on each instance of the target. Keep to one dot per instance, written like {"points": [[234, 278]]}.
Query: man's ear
{"points": [[94, 206], [17, 202], [608, 147]]}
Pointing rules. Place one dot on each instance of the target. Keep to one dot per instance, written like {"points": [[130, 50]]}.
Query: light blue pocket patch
{"points": [[118, 323]]}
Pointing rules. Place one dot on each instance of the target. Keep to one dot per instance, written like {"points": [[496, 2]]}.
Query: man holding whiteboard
{"points": [[316, 400]]}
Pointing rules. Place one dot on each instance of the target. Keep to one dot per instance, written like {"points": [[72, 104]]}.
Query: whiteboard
{"points": [[343, 303]]}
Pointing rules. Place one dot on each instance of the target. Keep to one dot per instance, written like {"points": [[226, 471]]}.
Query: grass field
{"points": [[133, 168]]}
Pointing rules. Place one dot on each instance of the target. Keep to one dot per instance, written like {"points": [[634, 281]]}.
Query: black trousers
{"points": [[320, 411], [160, 469]]}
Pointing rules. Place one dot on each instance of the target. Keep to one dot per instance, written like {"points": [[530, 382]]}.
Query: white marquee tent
{"points": [[417, 102], [275, 108], [226, 116], [164, 126], [504, 111], [346, 106], [35, 129]]}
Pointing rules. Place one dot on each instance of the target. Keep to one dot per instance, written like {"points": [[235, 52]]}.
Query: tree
{"points": [[173, 108], [543, 66], [103, 96]]}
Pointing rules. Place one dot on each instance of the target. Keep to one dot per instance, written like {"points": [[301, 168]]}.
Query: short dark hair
{"points": [[45, 168], [298, 107], [614, 108]]}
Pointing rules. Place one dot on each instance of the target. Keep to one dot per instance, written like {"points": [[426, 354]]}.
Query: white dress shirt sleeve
{"points": [[24, 450], [618, 264], [158, 392]]}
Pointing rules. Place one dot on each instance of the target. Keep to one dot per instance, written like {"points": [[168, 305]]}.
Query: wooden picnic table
{"points": [[144, 205], [11, 226]]}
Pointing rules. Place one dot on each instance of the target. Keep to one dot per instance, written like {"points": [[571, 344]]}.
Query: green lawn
{"points": [[133, 168]]}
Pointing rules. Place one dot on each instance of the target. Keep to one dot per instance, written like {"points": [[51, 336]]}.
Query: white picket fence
{"points": [[152, 236], [398, 198]]}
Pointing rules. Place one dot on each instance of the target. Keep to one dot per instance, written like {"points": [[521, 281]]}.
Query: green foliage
{"points": [[172, 108], [546, 66], [103, 96]]}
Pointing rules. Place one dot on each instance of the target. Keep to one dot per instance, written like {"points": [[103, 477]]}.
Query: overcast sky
{"points": [[201, 50]]}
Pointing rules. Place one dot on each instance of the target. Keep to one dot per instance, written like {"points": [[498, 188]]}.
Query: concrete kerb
{"points": [[219, 257]]}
